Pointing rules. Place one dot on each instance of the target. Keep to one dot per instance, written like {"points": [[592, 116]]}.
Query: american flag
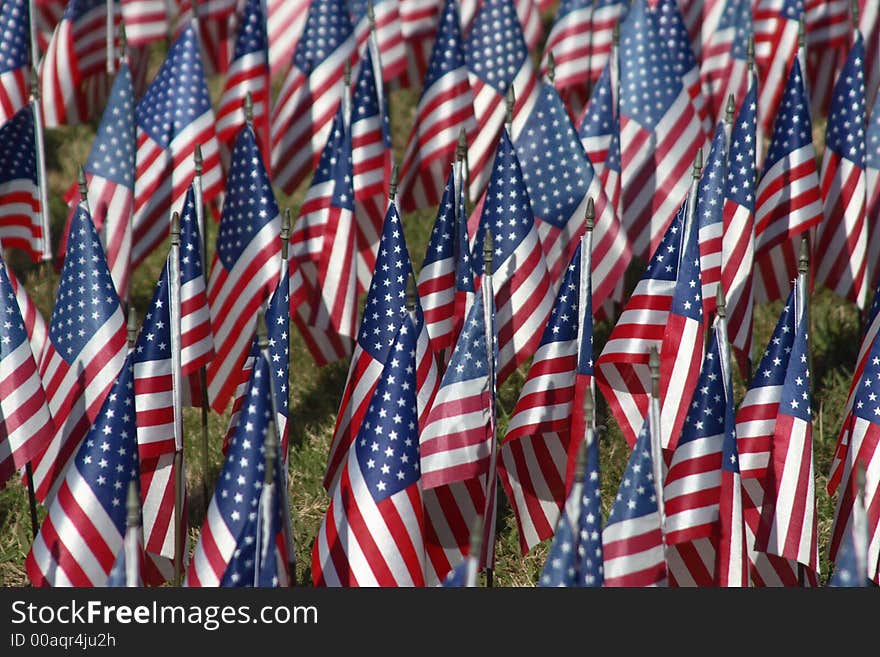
{"points": [[244, 271], [146, 21], [526, 15], [173, 117], [632, 541], [709, 216], [385, 303], [248, 73], [788, 515], [570, 41], [372, 533], [20, 207], [26, 426], [702, 497], [445, 108], [672, 32], [278, 342], [560, 180], [596, 123], [547, 424], [851, 549], [285, 20], [871, 328], [724, 69], [73, 71], [591, 563], [85, 525], [522, 286], [606, 14], [14, 57], [34, 322], [681, 350], [446, 278], [842, 239], [828, 31], [110, 170], [418, 25], [738, 240], [497, 59], [863, 438], [226, 552], [848, 571], [371, 162], [623, 373], [789, 198], [701, 18], [869, 26], [659, 132], [872, 175], [323, 245], [311, 92], [85, 352], [464, 574], [560, 566], [128, 567], [388, 35], [775, 24], [215, 22]]}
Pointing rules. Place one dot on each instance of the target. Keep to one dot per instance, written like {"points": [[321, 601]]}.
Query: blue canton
{"points": [[496, 48], [17, 153], [190, 240], [795, 399], [672, 31], [710, 191], [448, 52], [86, 296], [664, 264], [562, 326], [327, 27], [469, 359], [687, 300], [741, 170], [15, 25], [560, 568], [12, 331], [387, 444], [250, 203], [792, 128], [252, 31], [739, 49], [771, 369], [599, 117], [873, 136], [591, 569], [113, 151], [154, 339], [555, 168], [845, 132], [178, 95], [707, 415], [636, 495]]}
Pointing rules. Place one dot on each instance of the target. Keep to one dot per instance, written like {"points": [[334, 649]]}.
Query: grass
{"points": [[315, 392]]}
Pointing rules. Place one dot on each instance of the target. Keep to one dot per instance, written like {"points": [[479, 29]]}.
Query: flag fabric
{"points": [[872, 176], [571, 42], [215, 22], [26, 425], [775, 24], [464, 574], [173, 117], [323, 245], [560, 566], [497, 58], [84, 528], [828, 32], [73, 71], [659, 132], [226, 552], [285, 21], [119, 573], [85, 352], [446, 281], [146, 21], [622, 367], [546, 425], [701, 18], [278, 336], [371, 162], [788, 516], [445, 108], [738, 240], [846, 568], [596, 123], [672, 32], [789, 198], [702, 498], [389, 37], [560, 180], [522, 286], [681, 350], [15, 57], [248, 73], [20, 207], [862, 440], [383, 314], [842, 239], [851, 547], [724, 67], [869, 26], [372, 533], [244, 270], [34, 322], [709, 217], [418, 25], [110, 172], [606, 14], [632, 540], [311, 92]]}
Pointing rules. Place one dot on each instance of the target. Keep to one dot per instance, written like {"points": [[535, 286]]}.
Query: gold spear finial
{"points": [[590, 215], [461, 148], [249, 110], [132, 326]]}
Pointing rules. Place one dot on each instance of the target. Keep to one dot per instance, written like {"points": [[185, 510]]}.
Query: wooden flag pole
{"points": [[489, 510], [180, 530], [204, 403]]}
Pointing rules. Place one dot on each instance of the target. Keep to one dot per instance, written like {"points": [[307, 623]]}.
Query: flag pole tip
{"points": [[249, 110], [371, 16], [750, 53], [262, 331], [551, 67], [589, 407], [132, 326], [411, 293], [123, 40], [731, 109], [654, 364], [590, 215], [83, 184], [721, 301], [461, 148], [488, 252], [393, 181], [175, 228], [132, 505], [197, 158], [804, 256], [346, 73], [698, 163], [511, 104]]}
